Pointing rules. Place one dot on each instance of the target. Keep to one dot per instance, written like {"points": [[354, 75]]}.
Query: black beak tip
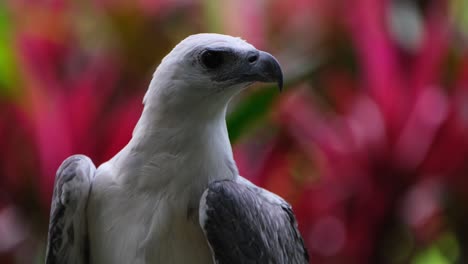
{"points": [[273, 69], [280, 83], [276, 72], [266, 69]]}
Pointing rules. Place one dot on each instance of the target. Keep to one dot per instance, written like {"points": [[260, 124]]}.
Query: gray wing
{"points": [[67, 239], [246, 224]]}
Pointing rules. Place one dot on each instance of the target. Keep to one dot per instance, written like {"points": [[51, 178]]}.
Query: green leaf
{"points": [[249, 111], [459, 12], [445, 250], [8, 69], [257, 105]]}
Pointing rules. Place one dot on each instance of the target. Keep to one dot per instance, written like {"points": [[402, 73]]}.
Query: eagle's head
{"points": [[206, 70]]}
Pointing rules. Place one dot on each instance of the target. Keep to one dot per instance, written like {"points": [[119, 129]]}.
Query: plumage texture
{"points": [[244, 222], [144, 203], [67, 241]]}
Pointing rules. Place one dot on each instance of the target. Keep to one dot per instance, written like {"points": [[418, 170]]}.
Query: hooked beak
{"points": [[268, 69], [263, 67]]}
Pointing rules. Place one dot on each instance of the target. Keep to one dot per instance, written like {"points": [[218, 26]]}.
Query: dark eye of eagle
{"points": [[212, 59]]}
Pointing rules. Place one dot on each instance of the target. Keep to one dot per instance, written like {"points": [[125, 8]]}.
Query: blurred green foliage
{"points": [[8, 68], [459, 10]]}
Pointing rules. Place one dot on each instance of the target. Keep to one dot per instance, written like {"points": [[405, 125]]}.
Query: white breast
{"points": [[147, 227], [144, 203]]}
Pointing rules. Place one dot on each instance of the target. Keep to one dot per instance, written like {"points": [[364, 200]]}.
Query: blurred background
{"points": [[368, 142]]}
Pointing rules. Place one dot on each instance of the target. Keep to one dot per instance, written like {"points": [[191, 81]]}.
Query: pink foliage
{"points": [[382, 146], [395, 147]]}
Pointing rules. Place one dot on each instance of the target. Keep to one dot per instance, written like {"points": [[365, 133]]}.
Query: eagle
{"points": [[173, 194]]}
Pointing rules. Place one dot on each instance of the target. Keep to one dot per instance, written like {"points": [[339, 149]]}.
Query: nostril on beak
{"points": [[253, 58]]}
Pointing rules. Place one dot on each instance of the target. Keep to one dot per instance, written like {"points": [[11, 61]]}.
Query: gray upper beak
{"points": [[261, 66], [254, 66], [268, 69]]}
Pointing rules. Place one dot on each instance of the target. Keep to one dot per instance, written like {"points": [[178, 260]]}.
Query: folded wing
{"points": [[247, 224], [67, 238]]}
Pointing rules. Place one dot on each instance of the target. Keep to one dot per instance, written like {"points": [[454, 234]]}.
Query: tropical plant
{"points": [[368, 141]]}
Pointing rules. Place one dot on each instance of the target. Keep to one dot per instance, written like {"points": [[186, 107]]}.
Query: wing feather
{"points": [[247, 224], [67, 238]]}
